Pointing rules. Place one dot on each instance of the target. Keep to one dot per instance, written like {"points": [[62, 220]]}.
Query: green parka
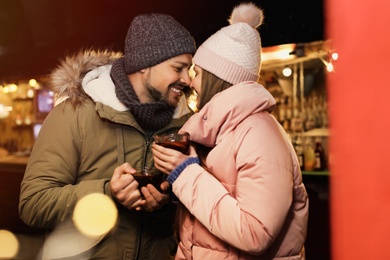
{"points": [[82, 140]]}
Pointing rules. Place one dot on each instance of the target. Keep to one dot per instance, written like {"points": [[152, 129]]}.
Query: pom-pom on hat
{"points": [[234, 52], [154, 38]]}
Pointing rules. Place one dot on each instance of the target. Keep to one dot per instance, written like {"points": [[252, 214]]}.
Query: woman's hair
{"points": [[211, 85]]}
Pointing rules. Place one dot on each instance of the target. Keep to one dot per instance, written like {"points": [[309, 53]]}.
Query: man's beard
{"points": [[159, 96]]}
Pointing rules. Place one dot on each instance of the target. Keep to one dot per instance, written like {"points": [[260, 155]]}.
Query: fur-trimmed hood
{"points": [[66, 79]]}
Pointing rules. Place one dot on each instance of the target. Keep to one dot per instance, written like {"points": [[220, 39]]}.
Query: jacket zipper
{"points": [[137, 256], [147, 142], [146, 152]]}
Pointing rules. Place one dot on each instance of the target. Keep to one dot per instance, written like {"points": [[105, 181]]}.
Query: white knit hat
{"points": [[234, 52]]}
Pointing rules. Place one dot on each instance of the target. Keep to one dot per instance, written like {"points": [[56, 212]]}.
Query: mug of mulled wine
{"points": [[146, 175], [179, 142]]}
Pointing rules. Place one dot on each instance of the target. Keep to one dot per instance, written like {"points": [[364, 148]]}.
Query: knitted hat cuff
{"points": [[141, 57], [221, 67], [154, 38]]}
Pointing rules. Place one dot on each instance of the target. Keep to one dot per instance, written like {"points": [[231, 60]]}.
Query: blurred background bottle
{"points": [[309, 155], [320, 164]]}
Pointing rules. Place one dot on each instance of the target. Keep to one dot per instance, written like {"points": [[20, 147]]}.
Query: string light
{"points": [[32, 82], [329, 65], [6, 89], [287, 72], [13, 87]]}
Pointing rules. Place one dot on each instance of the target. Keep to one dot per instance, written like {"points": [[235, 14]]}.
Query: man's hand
{"points": [[124, 188], [154, 199]]}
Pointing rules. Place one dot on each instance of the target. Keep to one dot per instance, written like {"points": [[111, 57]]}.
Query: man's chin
{"points": [[171, 103]]}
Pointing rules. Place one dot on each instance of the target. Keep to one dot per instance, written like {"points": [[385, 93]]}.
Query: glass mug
{"points": [[146, 175], [179, 142]]}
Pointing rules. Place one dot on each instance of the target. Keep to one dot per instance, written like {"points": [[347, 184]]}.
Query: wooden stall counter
{"points": [[13, 163], [11, 174]]}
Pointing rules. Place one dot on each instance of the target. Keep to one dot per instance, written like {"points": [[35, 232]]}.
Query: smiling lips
{"points": [[176, 90]]}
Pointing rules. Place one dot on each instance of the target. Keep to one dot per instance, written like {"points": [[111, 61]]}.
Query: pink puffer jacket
{"points": [[254, 204]]}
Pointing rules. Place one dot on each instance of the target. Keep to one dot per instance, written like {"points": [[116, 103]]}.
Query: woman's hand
{"points": [[167, 159]]}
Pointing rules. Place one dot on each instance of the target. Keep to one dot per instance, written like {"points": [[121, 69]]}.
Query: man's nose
{"points": [[186, 78]]}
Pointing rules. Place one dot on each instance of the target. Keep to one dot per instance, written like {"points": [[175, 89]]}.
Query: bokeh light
{"points": [[9, 245], [287, 72], [95, 215], [32, 82], [335, 56], [13, 87], [6, 89]]}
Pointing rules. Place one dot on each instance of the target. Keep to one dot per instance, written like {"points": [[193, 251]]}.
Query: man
{"points": [[101, 130]]}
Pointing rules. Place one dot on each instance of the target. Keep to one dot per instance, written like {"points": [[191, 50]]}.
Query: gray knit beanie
{"points": [[154, 38]]}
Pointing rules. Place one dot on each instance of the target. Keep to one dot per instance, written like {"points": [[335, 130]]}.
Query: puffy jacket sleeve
{"points": [[49, 190], [251, 218]]}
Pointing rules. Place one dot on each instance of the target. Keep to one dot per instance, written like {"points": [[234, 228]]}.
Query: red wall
{"points": [[359, 108]]}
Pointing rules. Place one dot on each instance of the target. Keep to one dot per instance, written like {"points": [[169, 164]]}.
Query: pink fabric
{"points": [[254, 205], [233, 53], [222, 67]]}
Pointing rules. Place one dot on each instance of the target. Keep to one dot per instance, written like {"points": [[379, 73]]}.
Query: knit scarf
{"points": [[150, 116]]}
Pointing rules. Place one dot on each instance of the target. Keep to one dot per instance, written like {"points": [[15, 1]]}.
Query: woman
{"points": [[242, 186]]}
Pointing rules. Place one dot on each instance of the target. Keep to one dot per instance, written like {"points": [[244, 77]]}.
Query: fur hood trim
{"points": [[66, 79]]}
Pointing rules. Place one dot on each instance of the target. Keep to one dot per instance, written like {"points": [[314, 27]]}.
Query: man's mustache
{"points": [[179, 85]]}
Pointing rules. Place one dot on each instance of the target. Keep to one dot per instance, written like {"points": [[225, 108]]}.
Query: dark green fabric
{"points": [[84, 164]]}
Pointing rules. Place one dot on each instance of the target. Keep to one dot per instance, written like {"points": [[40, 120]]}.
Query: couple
{"points": [[240, 192]]}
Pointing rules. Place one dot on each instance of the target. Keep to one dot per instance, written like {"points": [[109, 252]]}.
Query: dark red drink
{"points": [[144, 180], [181, 146], [179, 142], [153, 177]]}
